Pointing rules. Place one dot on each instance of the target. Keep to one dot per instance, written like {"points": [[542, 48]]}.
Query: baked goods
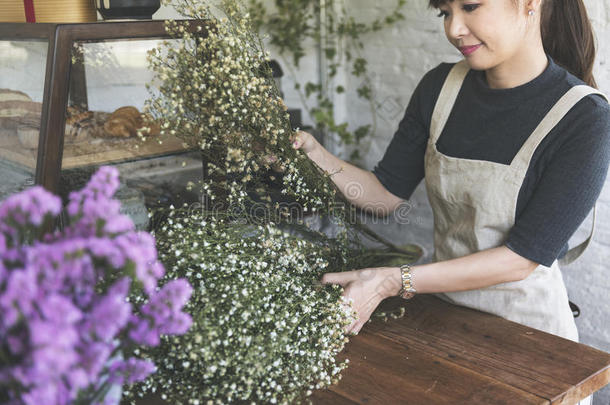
{"points": [[20, 122], [17, 108], [13, 95], [80, 125], [124, 122], [17, 104]]}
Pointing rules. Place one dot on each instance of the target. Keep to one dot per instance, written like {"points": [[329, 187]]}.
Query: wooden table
{"points": [[439, 353]]}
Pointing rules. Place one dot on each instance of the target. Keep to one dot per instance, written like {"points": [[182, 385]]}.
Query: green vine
{"points": [[340, 37]]}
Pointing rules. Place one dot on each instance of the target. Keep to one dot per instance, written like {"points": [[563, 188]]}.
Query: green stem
{"points": [[3, 358], [391, 254], [97, 396], [375, 236]]}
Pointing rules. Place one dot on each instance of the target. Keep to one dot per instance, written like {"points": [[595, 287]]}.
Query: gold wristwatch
{"points": [[407, 290]]}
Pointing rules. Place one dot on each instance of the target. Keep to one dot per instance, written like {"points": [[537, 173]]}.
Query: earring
{"points": [[531, 13]]}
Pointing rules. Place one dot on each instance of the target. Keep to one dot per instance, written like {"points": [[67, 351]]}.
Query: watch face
{"points": [[407, 295]]}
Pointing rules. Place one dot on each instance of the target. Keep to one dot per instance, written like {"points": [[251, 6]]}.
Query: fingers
{"points": [[357, 326], [297, 140], [300, 138], [342, 278], [360, 290], [363, 315]]}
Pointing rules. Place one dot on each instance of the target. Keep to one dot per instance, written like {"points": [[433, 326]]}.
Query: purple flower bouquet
{"points": [[68, 330]]}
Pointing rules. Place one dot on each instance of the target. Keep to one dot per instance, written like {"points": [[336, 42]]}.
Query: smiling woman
{"points": [[563, 27], [513, 143]]}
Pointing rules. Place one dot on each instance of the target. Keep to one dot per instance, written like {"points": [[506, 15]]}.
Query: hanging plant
{"points": [[339, 36]]}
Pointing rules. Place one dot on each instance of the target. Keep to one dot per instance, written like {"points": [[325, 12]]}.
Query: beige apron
{"points": [[474, 203]]}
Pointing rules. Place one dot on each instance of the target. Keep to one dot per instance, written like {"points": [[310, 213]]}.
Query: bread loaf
{"points": [[123, 122], [13, 95], [15, 103], [19, 118]]}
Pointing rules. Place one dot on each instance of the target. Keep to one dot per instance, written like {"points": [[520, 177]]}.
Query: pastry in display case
{"points": [[60, 122]]}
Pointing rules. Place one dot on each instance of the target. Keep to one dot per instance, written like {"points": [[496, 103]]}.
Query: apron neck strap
{"points": [[446, 98], [578, 250], [522, 159]]}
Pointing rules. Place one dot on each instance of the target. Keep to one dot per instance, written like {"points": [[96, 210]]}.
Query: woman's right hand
{"points": [[305, 141], [300, 140]]}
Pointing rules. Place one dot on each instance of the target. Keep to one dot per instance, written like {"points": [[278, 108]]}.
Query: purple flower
{"points": [[18, 297], [30, 206], [53, 344], [131, 370], [111, 313], [119, 224], [163, 314], [42, 394], [61, 332], [178, 324], [94, 357], [102, 186], [21, 211], [174, 294], [143, 332], [2, 245], [139, 248], [60, 310], [17, 342], [108, 249]]}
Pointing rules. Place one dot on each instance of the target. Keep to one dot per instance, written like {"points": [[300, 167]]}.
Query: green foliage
{"points": [[293, 23], [264, 330]]}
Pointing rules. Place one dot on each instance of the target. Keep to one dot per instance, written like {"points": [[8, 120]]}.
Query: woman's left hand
{"points": [[367, 288]]}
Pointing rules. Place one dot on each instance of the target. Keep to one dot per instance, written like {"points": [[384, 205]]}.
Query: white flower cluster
{"points": [[264, 330], [214, 89]]}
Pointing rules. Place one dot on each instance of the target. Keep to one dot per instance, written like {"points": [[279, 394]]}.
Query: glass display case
{"points": [[71, 100]]}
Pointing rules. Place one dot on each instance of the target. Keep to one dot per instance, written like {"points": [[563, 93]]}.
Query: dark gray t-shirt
{"points": [[566, 173]]}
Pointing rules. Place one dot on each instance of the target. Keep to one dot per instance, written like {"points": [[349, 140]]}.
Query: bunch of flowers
{"points": [[213, 88], [68, 329], [264, 330]]}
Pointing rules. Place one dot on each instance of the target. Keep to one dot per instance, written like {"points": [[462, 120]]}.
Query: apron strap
{"points": [[522, 159], [447, 97], [578, 250]]}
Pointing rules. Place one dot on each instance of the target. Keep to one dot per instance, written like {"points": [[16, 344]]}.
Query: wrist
{"points": [[324, 159], [316, 152], [392, 282]]}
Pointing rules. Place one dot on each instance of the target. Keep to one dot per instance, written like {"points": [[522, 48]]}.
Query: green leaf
{"points": [[359, 67], [364, 91], [311, 88], [330, 53], [362, 131]]}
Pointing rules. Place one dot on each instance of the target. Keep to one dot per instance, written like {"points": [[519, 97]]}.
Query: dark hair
{"points": [[567, 36]]}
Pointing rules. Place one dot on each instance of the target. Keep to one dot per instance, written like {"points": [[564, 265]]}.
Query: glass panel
{"points": [[105, 111], [22, 73]]}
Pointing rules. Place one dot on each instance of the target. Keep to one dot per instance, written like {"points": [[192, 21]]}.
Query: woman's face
{"points": [[487, 32]]}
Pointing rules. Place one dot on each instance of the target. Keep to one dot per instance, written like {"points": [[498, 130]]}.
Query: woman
{"points": [[514, 147]]}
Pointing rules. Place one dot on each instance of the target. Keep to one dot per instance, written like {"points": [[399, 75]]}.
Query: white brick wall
{"points": [[399, 58]]}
